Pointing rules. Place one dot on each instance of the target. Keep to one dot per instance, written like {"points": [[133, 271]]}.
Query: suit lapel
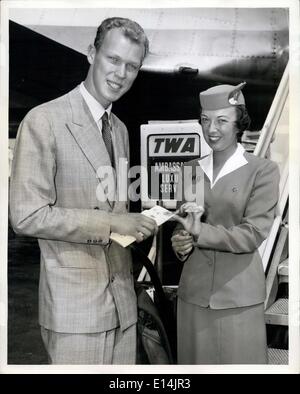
{"points": [[119, 152], [86, 133]]}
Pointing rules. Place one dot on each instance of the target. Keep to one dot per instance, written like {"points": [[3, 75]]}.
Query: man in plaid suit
{"points": [[87, 303]]}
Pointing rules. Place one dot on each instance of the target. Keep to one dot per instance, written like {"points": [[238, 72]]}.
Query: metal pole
{"points": [[272, 119], [159, 256]]}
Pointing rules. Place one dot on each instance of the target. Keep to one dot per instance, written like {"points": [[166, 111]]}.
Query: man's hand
{"points": [[135, 224], [182, 243]]}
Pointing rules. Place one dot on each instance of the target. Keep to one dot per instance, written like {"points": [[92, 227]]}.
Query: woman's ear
{"points": [[91, 54]]}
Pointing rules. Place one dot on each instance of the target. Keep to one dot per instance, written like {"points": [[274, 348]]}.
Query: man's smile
{"points": [[114, 85]]}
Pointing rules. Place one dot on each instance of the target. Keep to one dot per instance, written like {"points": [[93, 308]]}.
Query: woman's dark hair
{"points": [[242, 122]]}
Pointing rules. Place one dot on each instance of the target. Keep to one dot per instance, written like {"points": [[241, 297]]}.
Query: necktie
{"points": [[107, 138]]}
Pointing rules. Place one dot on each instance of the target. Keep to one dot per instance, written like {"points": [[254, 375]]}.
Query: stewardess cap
{"points": [[222, 96]]}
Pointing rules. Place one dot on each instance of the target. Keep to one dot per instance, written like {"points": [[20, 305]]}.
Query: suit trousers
{"points": [[221, 336], [108, 347]]}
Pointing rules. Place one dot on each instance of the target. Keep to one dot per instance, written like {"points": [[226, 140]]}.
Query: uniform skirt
{"points": [[221, 336]]}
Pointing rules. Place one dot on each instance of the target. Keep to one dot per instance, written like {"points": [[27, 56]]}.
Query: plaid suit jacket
{"points": [[86, 282]]}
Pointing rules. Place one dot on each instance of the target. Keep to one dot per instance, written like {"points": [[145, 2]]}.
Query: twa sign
{"points": [[164, 149], [174, 145]]}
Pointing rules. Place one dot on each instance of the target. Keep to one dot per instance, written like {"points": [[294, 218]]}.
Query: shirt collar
{"points": [[235, 161], [94, 106]]}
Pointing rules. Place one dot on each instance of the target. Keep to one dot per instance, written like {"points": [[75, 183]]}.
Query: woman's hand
{"points": [[182, 243], [192, 221]]}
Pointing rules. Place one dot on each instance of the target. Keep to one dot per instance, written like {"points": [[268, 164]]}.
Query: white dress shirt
{"points": [[94, 106]]}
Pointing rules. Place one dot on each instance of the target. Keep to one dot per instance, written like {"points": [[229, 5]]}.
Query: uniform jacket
{"points": [[225, 269], [86, 283]]}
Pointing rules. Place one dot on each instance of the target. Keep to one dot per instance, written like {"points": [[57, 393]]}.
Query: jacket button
{"points": [[112, 279], [96, 207]]}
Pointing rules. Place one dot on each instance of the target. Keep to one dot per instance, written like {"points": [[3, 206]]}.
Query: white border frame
{"points": [[293, 367]]}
